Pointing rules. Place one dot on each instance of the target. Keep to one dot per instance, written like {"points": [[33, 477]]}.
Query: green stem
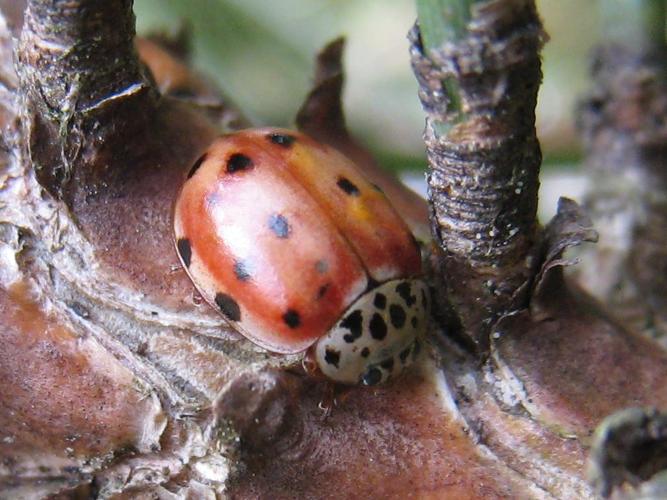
{"points": [[442, 21], [635, 23]]}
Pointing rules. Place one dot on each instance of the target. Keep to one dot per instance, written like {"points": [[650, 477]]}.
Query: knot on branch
{"points": [[260, 406]]}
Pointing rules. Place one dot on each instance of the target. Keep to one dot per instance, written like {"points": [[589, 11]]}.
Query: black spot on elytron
{"points": [[197, 164], [424, 299], [388, 364], [404, 354], [279, 225], [283, 140], [353, 323], [414, 322], [228, 306], [242, 270], [347, 186], [380, 300], [238, 162], [332, 356], [292, 318], [372, 284], [397, 315], [321, 266], [365, 352], [372, 377], [323, 290], [404, 289], [184, 250], [378, 327]]}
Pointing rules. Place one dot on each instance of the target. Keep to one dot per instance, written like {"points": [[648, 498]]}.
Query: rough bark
{"points": [[479, 93]]}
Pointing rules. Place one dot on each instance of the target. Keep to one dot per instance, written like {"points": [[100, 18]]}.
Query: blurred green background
{"points": [[260, 52]]}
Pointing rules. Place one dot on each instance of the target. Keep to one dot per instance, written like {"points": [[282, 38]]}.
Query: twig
{"points": [[479, 88], [74, 65]]}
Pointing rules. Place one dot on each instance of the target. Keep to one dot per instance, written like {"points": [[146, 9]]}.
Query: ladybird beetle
{"points": [[286, 238]]}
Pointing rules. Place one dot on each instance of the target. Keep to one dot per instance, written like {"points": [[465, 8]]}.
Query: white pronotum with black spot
{"points": [[378, 336]]}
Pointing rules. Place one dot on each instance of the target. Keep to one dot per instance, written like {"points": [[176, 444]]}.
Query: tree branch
{"points": [[73, 58], [479, 91], [75, 65]]}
